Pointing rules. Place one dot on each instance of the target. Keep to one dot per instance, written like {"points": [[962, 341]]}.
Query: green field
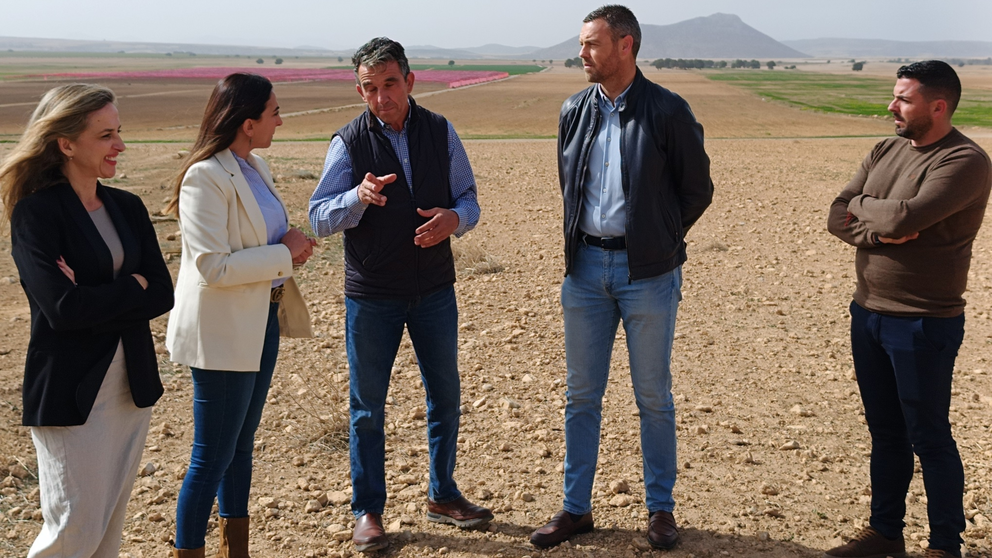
{"points": [[856, 95], [512, 69]]}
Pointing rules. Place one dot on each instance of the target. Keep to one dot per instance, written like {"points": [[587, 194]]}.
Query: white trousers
{"points": [[86, 473]]}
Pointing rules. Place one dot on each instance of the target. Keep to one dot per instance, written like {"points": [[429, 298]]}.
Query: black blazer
{"points": [[75, 328]]}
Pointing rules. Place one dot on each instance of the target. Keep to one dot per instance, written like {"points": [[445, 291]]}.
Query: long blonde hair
{"points": [[36, 161]]}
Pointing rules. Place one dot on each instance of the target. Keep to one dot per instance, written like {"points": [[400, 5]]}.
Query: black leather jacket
{"points": [[665, 173]]}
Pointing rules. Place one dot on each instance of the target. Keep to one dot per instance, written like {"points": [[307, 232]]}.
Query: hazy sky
{"points": [[467, 23]]}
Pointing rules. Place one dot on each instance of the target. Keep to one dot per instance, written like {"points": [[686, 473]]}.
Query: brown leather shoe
{"points": [[663, 533], [869, 543], [460, 513], [560, 529], [369, 534]]}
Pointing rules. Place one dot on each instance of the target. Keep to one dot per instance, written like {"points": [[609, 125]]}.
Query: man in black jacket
{"points": [[634, 177]]}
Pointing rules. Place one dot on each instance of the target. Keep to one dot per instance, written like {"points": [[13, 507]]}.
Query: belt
{"points": [[608, 243], [277, 293]]}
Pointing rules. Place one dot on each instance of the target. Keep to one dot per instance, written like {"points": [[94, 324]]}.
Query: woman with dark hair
{"points": [[235, 295], [94, 276]]}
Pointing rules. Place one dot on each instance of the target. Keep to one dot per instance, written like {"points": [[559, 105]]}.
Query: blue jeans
{"points": [[595, 296], [227, 407], [373, 332], [904, 368]]}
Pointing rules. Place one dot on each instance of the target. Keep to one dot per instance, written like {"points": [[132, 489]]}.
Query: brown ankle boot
{"points": [[233, 537], [185, 553]]}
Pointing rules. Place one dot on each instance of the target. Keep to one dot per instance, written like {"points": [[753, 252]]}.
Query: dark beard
{"points": [[915, 130]]}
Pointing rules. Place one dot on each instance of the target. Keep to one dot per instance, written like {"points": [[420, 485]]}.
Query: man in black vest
{"points": [[415, 188]]}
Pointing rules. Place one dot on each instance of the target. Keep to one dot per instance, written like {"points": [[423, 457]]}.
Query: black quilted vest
{"points": [[381, 260]]}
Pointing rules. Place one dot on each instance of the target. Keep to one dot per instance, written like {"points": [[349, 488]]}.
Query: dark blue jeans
{"points": [[904, 368], [373, 332], [227, 407]]}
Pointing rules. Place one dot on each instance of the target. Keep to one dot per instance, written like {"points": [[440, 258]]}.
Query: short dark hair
{"points": [[380, 50], [938, 80], [621, 21]]}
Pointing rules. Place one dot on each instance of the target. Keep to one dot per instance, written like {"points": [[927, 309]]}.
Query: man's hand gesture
{"points": [[368, 190]]}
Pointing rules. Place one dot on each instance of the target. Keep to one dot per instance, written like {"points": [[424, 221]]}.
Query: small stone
{"points": [[764, 536], [527, 497], [298, 461], [790, 445], [801, 411], [338, 498], [527, 379], [619, 487], [505, 446], [342, 536], [641, 543], [268, 502], [148, 470], [483, 494], [336, 528], [313, 506], [773, 512], [702, 429], [621, 501], [395, 526], [156, 517], [768, 489]]}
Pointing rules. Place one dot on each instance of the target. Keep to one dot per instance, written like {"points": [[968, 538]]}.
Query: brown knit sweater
{"points": [[940, 191]]}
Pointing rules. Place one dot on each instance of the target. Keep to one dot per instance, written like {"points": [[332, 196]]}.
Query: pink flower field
{"points": [[453, 78]]}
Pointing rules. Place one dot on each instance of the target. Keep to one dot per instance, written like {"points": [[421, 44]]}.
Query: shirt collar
{"points": [[390, 128], [605, 101]]}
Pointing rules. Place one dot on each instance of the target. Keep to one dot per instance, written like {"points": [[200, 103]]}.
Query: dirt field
{"points": [[773, 454]]}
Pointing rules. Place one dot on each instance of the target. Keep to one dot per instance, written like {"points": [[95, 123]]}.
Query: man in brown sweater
{"points": [[913, 210]]}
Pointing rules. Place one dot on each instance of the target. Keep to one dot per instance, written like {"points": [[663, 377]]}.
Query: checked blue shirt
{"points": [[334, 205]]}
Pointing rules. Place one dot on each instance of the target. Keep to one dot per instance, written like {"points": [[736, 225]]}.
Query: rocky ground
{"points": [[773, 455]]}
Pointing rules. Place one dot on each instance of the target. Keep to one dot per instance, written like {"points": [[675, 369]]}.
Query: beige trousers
{"points": [[86, 473]]}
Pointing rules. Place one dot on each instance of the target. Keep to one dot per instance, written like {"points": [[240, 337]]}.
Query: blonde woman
{"points": [[235, 295], [94, 276]]}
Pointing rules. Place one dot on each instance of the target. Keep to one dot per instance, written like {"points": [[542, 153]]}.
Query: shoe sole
{"points": [[664, 546], [460, 523], [581, 531], [883, 555], [370, 547]]}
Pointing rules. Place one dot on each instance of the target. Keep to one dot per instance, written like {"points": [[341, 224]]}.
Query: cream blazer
{"points": [[226, 271]]}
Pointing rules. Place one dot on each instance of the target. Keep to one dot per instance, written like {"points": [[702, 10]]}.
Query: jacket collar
{"points": [[245, 195], [79, 215]]}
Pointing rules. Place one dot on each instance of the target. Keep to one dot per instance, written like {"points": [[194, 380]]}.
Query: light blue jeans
{"points": [[595, 296]]}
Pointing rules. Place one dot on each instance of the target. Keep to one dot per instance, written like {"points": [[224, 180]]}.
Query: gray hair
{"points": [[378, 51], [621, 22]]}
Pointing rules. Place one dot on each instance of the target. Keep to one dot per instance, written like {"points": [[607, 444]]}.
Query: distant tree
{"points": [[851, 61], [278, 60], [260, 61], [451, 62], [721, 64], [340, 59], [770, 64], [858, 66], [828, 61], [168, 54], [754, 65]]}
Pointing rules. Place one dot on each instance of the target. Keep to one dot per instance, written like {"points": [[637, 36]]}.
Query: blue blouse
{"points": [[276, 225]]}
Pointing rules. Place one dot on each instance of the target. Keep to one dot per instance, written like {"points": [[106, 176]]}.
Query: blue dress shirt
{"points": [[276, 225], [604, 209]]}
